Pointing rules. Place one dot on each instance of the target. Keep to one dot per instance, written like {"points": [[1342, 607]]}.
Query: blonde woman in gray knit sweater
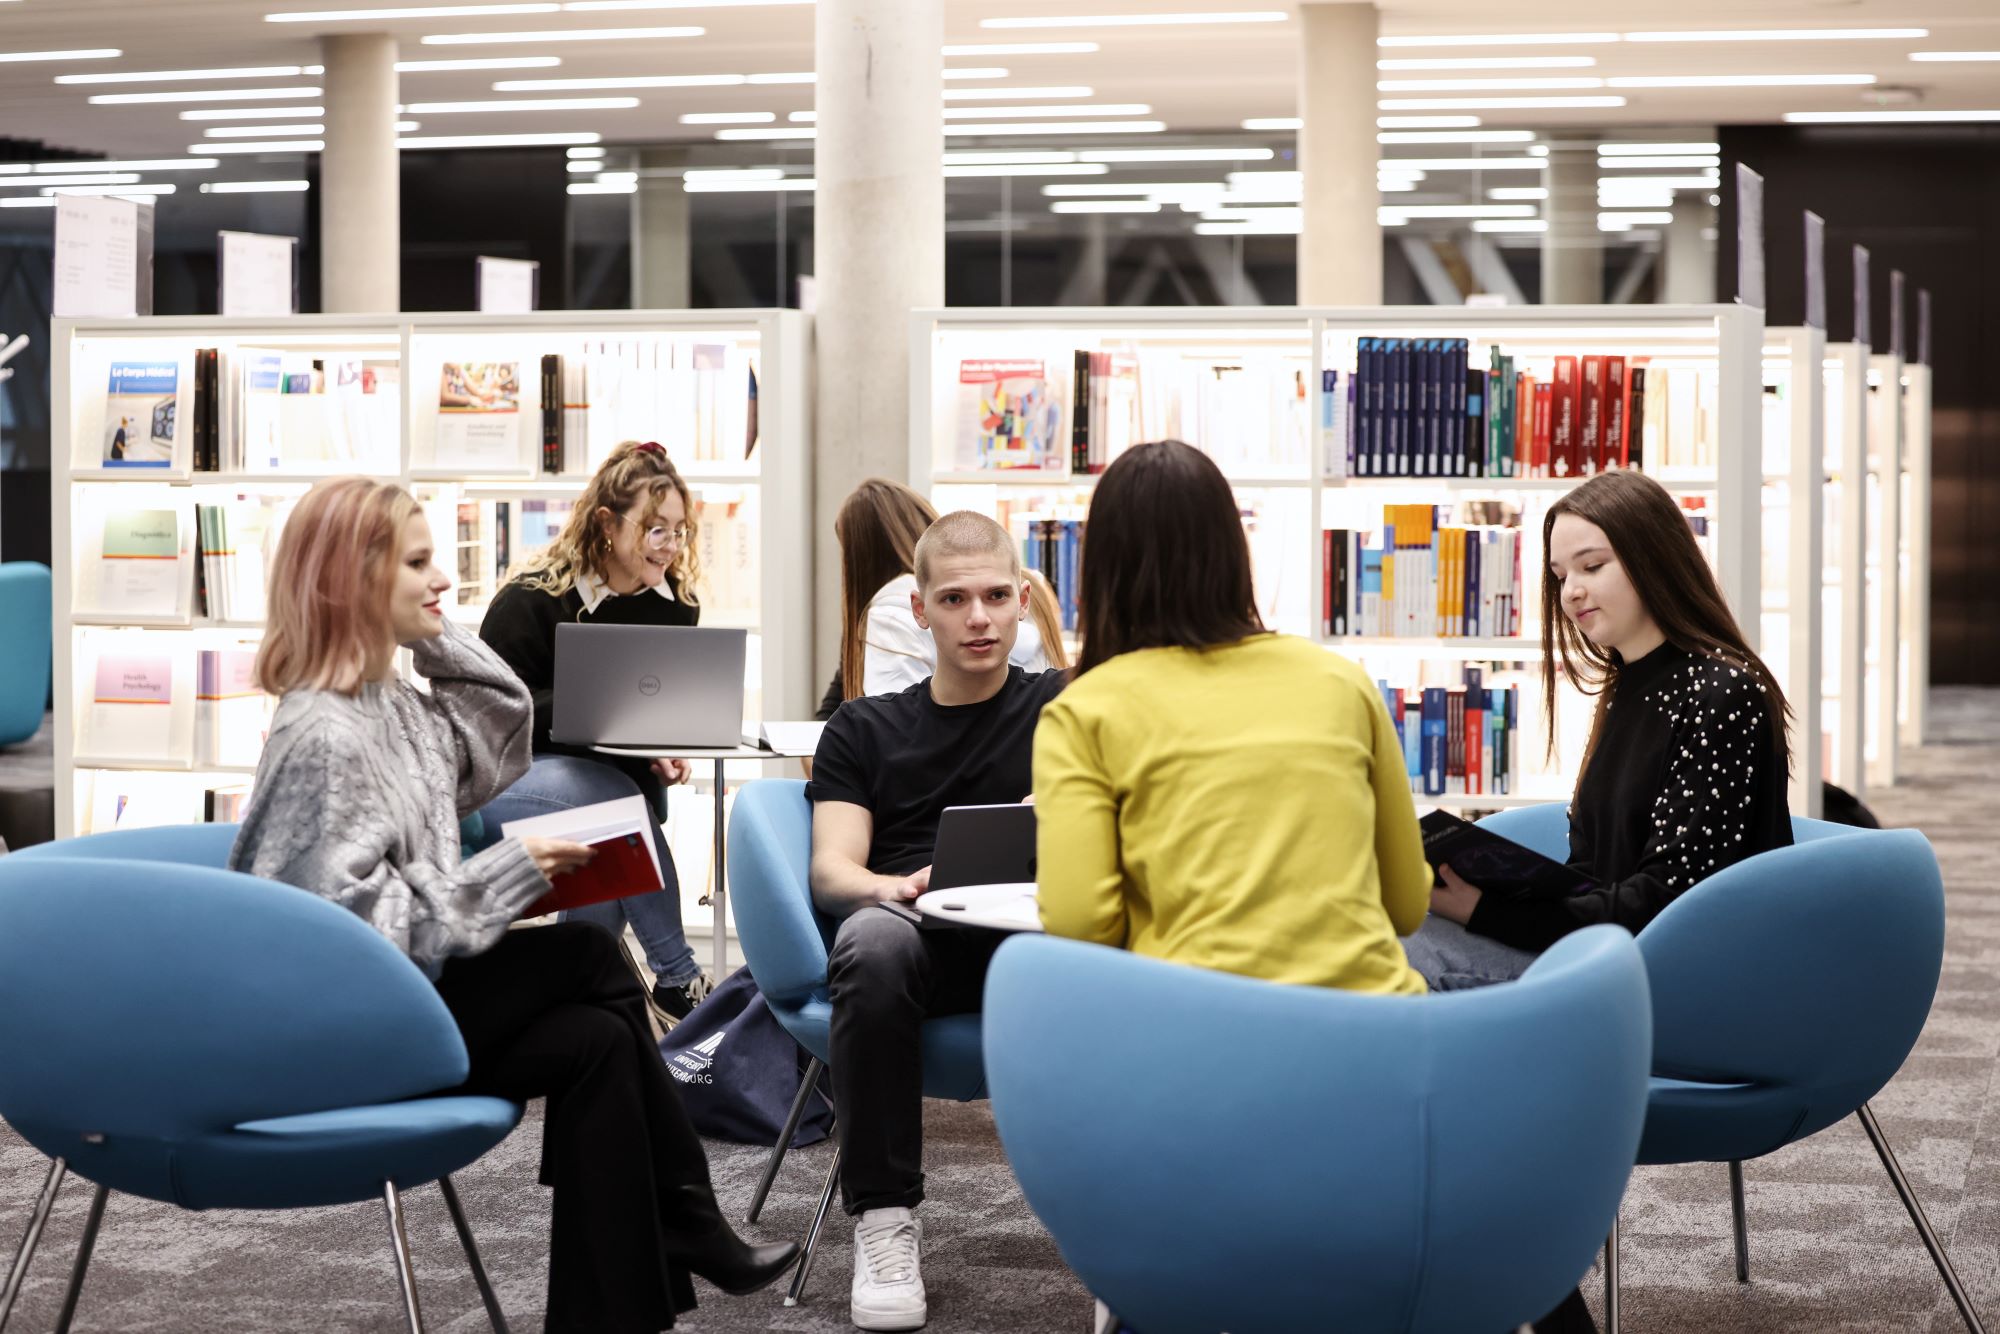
{"points": [[358, 798]]}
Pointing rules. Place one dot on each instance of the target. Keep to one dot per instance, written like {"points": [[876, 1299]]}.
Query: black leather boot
{"points": [[701, 1241]]}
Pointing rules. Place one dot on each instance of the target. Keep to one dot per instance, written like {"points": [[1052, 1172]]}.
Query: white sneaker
{"points": [[888, 1287]]}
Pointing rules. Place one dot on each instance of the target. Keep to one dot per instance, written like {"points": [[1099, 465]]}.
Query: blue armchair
{"points": [[182, 845], [291, 1056], [1756, 1046], [26, 631], [1215, 1152], [785, 941]]}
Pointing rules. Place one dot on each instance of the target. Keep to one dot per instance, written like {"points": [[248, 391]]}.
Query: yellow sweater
{"points": [[1243, 808]]}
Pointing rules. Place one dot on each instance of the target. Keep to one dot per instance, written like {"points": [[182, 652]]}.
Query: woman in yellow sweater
{"points": [[1208, 791]]}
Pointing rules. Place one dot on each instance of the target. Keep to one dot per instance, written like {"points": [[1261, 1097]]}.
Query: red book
{"points": [[1475, 742], [1617, 397], [625, 863], [1524, 425], [1590, 402], [1563, 424]]}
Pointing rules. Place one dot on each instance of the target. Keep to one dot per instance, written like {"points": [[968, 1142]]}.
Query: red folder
{"points": [[622, 867]]}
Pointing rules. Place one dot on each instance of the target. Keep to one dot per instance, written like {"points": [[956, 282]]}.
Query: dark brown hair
{"points": [[878, 526], [1658, 553], [1165, 562]]}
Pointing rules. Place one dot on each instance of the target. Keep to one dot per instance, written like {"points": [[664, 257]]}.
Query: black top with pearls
{"points": [[1685, 780]]}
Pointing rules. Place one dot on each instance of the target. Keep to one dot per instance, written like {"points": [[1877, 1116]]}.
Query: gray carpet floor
{"points": [[1831, 1248]]}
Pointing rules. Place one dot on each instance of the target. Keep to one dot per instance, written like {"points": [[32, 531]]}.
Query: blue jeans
{"points": [[1454, 959], [564, 782]]}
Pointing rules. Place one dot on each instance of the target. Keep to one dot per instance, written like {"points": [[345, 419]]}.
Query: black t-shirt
{"points": [[905, 757]]}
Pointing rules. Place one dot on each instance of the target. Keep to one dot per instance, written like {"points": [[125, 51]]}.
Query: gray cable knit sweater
{"points": [[358, 798]]}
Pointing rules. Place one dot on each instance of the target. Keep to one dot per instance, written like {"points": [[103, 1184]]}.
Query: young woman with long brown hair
{"points": [[1687, 764], [357, 799], [626, 556]]}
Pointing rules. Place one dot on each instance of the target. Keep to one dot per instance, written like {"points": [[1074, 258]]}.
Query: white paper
{"points": [[1815, 271], [1749, 237], [97, 257], [793, 738], [593, 824], [258, 274], [507, 286]]}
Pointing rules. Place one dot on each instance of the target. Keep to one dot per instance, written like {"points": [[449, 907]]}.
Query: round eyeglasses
{"points": [[659, 536]]}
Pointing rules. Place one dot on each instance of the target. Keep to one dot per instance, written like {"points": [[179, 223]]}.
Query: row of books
{"points": [[235, 540], [1458, 740], [1053, 548], [152, 701], [1420, 578], [178, 564]]}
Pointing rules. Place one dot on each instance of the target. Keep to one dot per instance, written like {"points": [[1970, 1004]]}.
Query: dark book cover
{"points": [[1079, 415], [1474, 462], [552, 413], [1614, 412], [1497, 865], [1635, 417], [1563, 423]]}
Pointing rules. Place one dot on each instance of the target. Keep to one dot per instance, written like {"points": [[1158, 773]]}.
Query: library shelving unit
{"points": [[1885, 547], [1844, 578], [1915, 600], [1280, 438], [1792, 634], [303, 399]]}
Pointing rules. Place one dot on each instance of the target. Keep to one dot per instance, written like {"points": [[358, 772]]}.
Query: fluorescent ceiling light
{"points": [[263, 146], [1890, 117], [781, 184], [1642, 163], [1395, 185], [205, 95], [260, 131], [1741, 81], [1062, 127], [1033, 169], [1025, 94], [1508, 192], [187, 75], [1631, 148], [582, 165], [36, 202], [1662, 182], [586, 151], [802, 76], [1073, 109], [1948, 57], [1176, 155], [1494, 103], [733, 174], [1463, 164], [976, 72], [1657, 217], [477, 62], [95, 53], [136, 164], [1506, 226], [1153, 188], [1484, 85], [1505, 39], [729, 118], [1104, 206], [1021, 49], [1274, 123], [407, 12], [1135, 20], [1008, 157], [524, 104], [607, 177], [557, 35], [1779, 35], [800, 133], [802, 117], [601, 6], [604, 188], [125, 190], [75, 178], [256, 113], [254, 187], [1455, 137], [628, 81], [1426, 122], [1460, 210], [1489, 62], [1243, 229], [555, 139]]}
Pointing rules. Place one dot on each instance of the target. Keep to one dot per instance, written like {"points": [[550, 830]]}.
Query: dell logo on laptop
{"points": [[649, 685]]}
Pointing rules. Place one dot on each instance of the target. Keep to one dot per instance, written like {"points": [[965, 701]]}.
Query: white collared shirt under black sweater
{"points": [[520, 626], [1686, 779]]}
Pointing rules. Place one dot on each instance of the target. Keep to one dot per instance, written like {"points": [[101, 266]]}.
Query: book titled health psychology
{"points": [[626, 862], [1009, 416], [479, 416], [1497, 865], [139, 570], [142, 417], [132, 714]]}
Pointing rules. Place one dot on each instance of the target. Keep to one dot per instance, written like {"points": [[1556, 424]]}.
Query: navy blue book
{"points": [[1433, 739]]}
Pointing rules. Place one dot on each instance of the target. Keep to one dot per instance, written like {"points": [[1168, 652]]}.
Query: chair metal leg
{"points": [[811, 1247], [807, 1083], [406, 1273], [83, 1250], [486, 1294], [1611, 1279], [43, 1203], [1938, 1257], [1736, 1214]]}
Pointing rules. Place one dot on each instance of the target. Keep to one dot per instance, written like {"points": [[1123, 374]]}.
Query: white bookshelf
{"points": [[1885, 551], [1844, 578], [1914, 670], [769, 488], [1299, 500], [1792, 632]]}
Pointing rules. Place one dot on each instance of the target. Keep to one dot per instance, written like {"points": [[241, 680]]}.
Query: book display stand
{"points": [[1844, 578], [1885, 649], [1914, 672], [189, 440], [1792, 638]]}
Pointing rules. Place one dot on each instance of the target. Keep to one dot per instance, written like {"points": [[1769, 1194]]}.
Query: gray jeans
{"points": [[1454, 959]]}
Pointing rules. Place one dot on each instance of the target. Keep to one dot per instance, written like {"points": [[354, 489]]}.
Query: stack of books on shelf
{"points": [[1419, 578], [232, 717], [155, 701], [1458, 740], [726, 548], [237, 538], [1053, 548]]}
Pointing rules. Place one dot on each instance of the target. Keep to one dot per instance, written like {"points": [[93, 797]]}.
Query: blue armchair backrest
{"points": [[164, 1002], [186, 844], [1213, 1152], [785, 939], [26, 636]]}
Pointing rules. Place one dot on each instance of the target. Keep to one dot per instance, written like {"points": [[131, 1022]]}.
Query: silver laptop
{"points": [[984, 845], [648, 685]]}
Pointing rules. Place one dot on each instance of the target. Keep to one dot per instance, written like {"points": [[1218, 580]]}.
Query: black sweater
{"points": [[520, 626], [1685, 780]]}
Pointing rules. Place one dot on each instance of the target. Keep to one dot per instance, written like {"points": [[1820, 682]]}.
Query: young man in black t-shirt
{"points": [[886, 768]]}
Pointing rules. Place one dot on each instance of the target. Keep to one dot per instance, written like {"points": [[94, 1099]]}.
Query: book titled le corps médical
{"points": [[1497, 865]]}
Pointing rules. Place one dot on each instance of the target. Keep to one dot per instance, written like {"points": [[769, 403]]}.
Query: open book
{"points": [[626, 862], [1497, 865]]}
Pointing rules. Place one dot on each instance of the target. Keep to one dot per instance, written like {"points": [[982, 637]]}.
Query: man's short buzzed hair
{"points": [[964, 533]]}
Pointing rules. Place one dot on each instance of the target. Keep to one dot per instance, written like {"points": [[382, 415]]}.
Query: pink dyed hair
{"points": [[327, 606]]}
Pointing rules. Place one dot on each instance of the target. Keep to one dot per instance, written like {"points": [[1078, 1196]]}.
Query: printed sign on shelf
{"points": [[256, 274], [103, 257], [508, 286]]}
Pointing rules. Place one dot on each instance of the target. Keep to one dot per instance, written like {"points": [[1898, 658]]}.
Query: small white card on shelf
{"points": [[257, 274]]}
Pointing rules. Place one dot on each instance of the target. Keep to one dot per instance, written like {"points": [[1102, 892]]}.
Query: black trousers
{"points": [[553, 1012], [886, 976]]}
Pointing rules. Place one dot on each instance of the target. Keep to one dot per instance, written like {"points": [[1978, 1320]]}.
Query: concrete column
{"points": [[661, 245], [360, 219], [1572, 249], [1688, 260], [878, 251], [1340, 241]]}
